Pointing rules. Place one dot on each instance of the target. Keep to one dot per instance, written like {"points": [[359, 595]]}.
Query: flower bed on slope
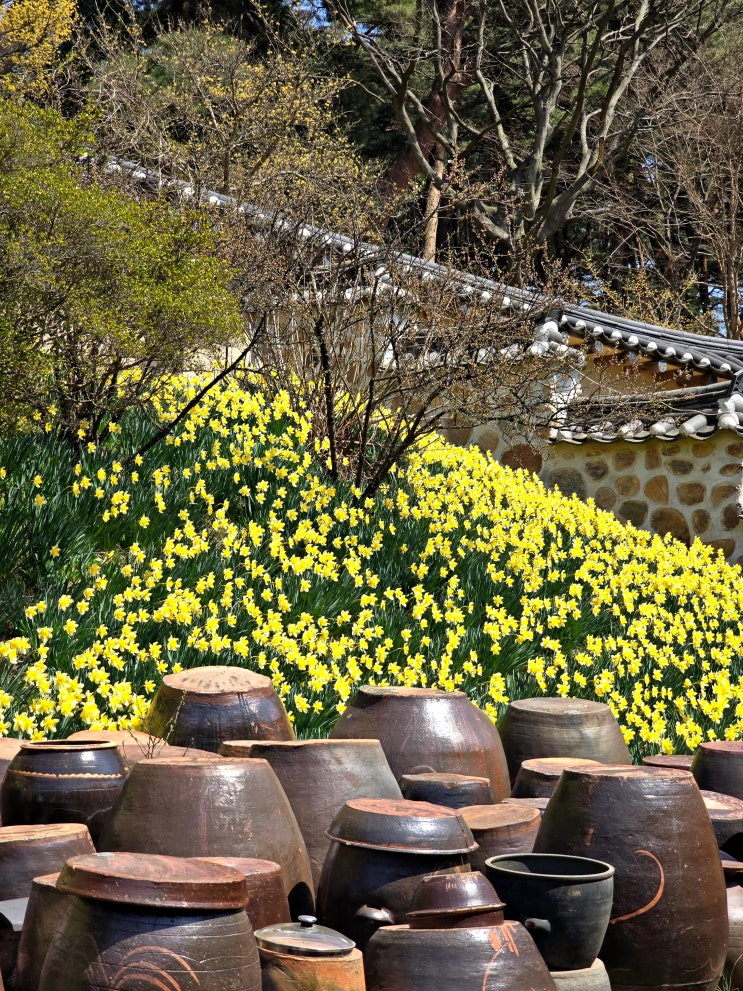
{"points": [[229, 545]]}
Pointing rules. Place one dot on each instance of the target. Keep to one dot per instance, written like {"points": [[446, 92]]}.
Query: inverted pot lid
{"points": [[152, 879], [304, 939], [402, 826]]}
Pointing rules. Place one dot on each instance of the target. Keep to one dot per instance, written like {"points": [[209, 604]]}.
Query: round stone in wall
{"points": [[633, 511], [730, 518], [605, 498], [597, 469], [656, 489], [671, 521], [701, 520], [721, 493], [628, 485], [569, 481], [691, 493], [624, 459], [522, 456], [679, 467]]}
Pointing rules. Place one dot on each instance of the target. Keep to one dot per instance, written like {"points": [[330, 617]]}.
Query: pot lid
{"points": [[400, 826], [152, 879], [454, 894], [303, 938]]}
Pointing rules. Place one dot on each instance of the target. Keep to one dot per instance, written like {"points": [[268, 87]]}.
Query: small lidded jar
{"points": [[308, 955]]}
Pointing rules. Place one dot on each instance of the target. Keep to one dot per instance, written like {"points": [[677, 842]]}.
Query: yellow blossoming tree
{"points": [[31, 32]]}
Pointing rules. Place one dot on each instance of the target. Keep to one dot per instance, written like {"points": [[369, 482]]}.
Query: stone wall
{"points": [[686, 487]]}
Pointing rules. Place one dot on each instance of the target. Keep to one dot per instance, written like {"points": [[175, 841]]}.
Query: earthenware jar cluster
{"points": [[416, 848]]}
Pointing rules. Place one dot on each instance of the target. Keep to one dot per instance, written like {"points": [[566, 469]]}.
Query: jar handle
{"points": [[538, 925]]}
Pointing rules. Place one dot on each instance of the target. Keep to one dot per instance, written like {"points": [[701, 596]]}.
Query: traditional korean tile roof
{"points": [[696, 411]]}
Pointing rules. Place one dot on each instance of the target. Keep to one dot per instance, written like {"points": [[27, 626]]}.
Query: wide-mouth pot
{"points": [[552, 867]]}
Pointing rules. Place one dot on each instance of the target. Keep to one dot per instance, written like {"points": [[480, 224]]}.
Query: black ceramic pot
{"points": [[564, 902]]}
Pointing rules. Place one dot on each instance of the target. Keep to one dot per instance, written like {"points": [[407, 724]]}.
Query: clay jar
{"points": [[442, 731], [564, 903], [44, 915], [62, 781], [28, 851], [151, 922], [319, 777], [538, 777], [726, 814], [651, 824], [456, 938], [266, 902], [718, 766], [500, 829], [211, 806], [455, 791], [733, 871], [305, 955], [561, 727], [202, 707], [379, 851]]}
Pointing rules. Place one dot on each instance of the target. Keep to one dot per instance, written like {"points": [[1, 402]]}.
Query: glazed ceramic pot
{"points": [[538, 777], [733, 871], [494, 958], [561, 727], [202, 707], [211, 806], [726, 814], [422, 727], [652, 826], [306, 955], [682, 762], [319, 777], [455, 791], [593, 978], [28, 851], [718, 766], [151, 922], [44, 915], [564, 902], [500, 829], [455, 901], [266, 902], [62, 781], [379, 851]]}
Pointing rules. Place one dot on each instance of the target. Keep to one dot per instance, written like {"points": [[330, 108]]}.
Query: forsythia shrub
{"points": [[229, 546]]}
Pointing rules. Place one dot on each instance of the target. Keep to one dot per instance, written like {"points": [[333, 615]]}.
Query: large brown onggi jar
{"points": [[669, 918], [45, 914], [561, 727], [202, 707], [379, 851], [135, 921], [266, 901], [211, 807], [28, 851], [319, 777], [718, 766], [425, 728]]}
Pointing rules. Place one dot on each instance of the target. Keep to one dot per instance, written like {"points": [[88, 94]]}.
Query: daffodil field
{"points": [[228, 545]]}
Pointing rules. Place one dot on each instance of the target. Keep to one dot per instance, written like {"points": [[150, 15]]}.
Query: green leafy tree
{"points": [[101, 296]]}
